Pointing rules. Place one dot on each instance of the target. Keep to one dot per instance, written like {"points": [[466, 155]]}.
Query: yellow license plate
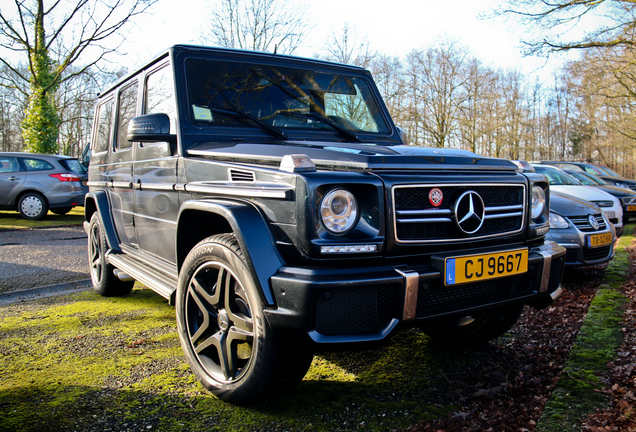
{"points": [[473, 268], [631, 208], [597, 240]]}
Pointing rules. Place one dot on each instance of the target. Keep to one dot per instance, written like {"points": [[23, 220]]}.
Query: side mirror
{"points": [[403, 136], [151, 128]]}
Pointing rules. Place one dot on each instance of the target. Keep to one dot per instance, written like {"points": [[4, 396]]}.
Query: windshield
{"points": [[586, 179], [611, 172], [284, 98], [556, 176]]}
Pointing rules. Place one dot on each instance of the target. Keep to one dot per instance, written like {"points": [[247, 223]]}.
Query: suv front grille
{"points": [[418, 221], [583, 223]]}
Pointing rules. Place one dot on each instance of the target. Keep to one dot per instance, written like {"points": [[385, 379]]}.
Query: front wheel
{"points": [[222, 328], [474, 329]]}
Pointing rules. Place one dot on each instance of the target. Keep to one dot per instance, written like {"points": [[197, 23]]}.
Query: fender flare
{"points": [[253, 235], [100, 204]]}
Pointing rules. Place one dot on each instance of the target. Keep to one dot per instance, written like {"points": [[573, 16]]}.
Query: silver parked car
{"points": [[33, 183]]}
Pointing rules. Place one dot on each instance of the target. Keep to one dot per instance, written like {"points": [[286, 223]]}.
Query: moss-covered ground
{"points": [[577, 393], [85, 362]]}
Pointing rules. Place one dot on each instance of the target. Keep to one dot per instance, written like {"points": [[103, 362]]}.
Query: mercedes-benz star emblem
{"points": [[469, 212], [593, 222]]}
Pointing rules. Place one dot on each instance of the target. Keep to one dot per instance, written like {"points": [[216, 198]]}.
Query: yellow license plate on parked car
{"points": [[631, 208], [472, 268], [597, 240]]}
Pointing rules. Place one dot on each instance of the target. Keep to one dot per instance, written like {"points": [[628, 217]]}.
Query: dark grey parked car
{"points": [[33, 183]]}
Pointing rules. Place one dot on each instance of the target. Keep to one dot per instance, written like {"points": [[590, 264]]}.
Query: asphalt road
{"points": [[42, 257]]}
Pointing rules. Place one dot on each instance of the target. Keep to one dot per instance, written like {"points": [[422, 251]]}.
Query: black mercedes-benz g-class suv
{"points": [[275, 203]]}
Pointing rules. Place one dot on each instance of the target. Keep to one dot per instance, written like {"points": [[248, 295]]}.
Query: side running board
{"points": [[161, 283]]}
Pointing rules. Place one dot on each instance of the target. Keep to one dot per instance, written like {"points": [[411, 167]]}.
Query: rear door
{"points": [[120, 175], [12, 177]]}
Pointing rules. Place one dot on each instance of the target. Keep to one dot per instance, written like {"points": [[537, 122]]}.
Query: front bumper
{"points": [[349, 305], [578, 254]]}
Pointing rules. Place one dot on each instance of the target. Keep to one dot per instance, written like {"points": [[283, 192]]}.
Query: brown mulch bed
{"points": [[518, 373]]}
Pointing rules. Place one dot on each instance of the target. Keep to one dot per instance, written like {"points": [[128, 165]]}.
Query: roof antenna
{"points": [[275, 48]]}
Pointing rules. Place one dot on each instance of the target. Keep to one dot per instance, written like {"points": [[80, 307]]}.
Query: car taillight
{"points": [[65, 177]]}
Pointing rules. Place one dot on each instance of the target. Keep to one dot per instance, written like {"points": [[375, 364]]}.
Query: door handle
{"points": [[14, 178]]}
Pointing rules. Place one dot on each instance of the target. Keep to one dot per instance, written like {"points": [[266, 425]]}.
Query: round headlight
{"points": [[339, 211], [557, 221], [538, 201]]}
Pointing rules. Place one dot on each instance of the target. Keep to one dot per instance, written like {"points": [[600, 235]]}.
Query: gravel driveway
{"points": [[42, 257]]}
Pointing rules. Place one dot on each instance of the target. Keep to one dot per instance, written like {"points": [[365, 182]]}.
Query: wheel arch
{"points": [[22, 193], [98, 202], [204, 218]]}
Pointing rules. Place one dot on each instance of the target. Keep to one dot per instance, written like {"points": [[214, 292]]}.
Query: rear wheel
{"points": [[104, 281], [33, 205], [222, 328], [474, 329]]}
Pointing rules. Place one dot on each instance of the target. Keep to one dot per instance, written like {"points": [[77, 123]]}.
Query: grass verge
{"points": [[13, 220], [577, 393]]}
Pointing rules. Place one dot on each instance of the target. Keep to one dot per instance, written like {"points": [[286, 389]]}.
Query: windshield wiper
{"points": [[331, 123], [268, 127]]}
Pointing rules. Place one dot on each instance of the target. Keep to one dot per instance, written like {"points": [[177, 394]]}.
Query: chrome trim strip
{"points": [[157, 186], [411, 285], [427, 220], [502, 215], [423, 212], [121, 184], [241, 191], [547, 266]]}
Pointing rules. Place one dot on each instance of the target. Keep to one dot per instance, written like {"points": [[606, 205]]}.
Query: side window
{"points": [[9, 165], [127, 110], [37, 165], [160, 95], [104, 126]]}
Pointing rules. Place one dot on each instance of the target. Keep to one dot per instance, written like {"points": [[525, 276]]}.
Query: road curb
{"points": [[43, 292]]}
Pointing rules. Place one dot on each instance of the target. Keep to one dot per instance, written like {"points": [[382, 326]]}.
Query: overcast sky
{"points": [[392, 27]]}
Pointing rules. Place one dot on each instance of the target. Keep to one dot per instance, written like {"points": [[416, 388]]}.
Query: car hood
{"points": [[568, 206], [348, 156], [616, 191], [588, 193]]}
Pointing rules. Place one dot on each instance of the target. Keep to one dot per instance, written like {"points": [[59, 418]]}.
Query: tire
{"points": [[225, 337], [105, 283], [61, 211], [33, 205], [475, 329]]}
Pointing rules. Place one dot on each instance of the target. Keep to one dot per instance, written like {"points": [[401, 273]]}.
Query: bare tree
{"points": [[613, 22], [49, 37], [345, 47], [259, 25]]}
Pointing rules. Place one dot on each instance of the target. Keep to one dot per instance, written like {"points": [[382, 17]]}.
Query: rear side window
{"points": [[127, 110], [104, 126], [37, 165], [73, 165], [9, 165]]}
